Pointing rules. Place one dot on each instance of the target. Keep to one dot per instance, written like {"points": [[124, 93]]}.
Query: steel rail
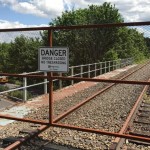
{"points": [[23, 140], [43, 127], [117, 142], [77, 26], [81, 104], [18, 143], [94, 95], [101, 132]]}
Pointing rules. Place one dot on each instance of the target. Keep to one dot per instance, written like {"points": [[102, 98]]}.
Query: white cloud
{"points": [[10, 36], [4, 24], [41, 8], [28, 8], [131, 10]]}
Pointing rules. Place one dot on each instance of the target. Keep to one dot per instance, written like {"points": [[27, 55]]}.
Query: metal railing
{"points": [[86, 70]]}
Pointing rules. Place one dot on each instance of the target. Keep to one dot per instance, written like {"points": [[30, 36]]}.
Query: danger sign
{"points": [[54, 59]]}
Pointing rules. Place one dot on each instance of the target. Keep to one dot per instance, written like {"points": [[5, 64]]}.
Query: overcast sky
{"points": [[26, 13]]}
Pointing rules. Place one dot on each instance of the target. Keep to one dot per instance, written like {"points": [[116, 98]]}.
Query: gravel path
{"points": [[107, 111]]}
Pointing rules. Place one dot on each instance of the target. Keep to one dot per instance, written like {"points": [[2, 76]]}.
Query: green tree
{"points": [[4, 59], [130, 43], [86, 45], [23, 54], [97, 44], [147, 40]]}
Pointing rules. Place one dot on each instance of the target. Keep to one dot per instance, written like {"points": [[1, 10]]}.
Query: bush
{"points": [[19, 94], [110, 55], [3, 88]]}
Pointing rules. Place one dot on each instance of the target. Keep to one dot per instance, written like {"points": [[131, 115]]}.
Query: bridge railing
{"points": [[86, 70]]}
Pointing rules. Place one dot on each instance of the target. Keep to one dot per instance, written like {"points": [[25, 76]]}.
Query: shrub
{"points": [[19, 94], [3, 88]]}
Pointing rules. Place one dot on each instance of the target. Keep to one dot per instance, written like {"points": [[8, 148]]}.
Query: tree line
{"points": [[85, 45]]}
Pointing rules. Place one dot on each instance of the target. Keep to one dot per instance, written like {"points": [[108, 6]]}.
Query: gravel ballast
{"points": [[106, 112]]}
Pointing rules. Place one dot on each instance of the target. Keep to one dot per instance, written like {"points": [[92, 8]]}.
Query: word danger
{"points": [[53, 52], [54, 59]]}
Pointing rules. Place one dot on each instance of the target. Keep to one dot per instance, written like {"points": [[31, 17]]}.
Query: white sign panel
{"points": [[54, 59]]}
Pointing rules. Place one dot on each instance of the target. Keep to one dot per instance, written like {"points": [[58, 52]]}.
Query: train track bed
{"points": [[107, 111], [140, 125]]}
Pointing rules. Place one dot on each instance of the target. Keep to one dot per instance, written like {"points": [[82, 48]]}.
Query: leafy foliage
{"points": [[3, 88], [4, 58], [23, 54], [19, 94], [97, 44], [85, 45]]}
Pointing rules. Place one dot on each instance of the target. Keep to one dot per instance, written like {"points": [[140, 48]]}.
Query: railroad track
{"points": [[137, 124], [140, 124], [67, 119]]}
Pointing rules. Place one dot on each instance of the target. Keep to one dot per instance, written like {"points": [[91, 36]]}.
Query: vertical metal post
{"points": [[89, 70], [105, 66], [109, 66], [113, 64], [45, 83], [81, 71], [120, 63], [95, 69], [25, 89], [72, 74], [117, 63], [50, 74], [100, 68], [60, 81]]}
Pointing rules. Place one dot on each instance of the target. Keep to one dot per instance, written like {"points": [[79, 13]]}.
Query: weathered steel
{"points": [[50, 75], [130, 117], [25, 139], [140, 133], [77, 26], [24, 119], [28, 131], [127, 136], [102, 80], [81, 79]]}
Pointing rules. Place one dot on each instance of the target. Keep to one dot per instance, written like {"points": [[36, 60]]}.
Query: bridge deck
{"points": [[24, 108]]}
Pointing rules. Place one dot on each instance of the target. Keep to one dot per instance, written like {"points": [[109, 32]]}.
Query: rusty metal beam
{"points": [[24, 119], [77, 26], [102, 80], [61, 116], [25, 139], [50, 75], [80, 79], [81, 104], [127, 136]]}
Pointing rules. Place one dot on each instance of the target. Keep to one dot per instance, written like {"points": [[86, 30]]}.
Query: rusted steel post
{"points": [[50, 97], [50, 75]]}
